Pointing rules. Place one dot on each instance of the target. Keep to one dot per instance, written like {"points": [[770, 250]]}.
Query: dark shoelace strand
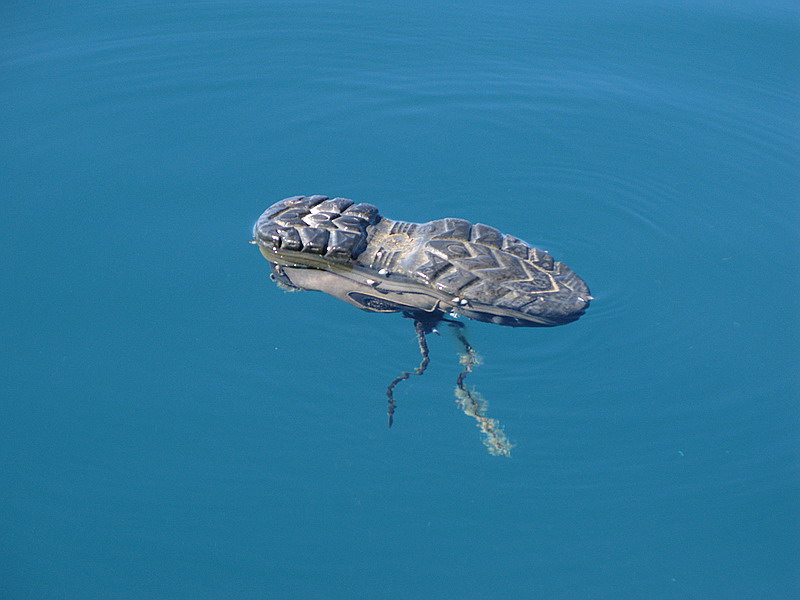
{"points": [[469, 363], [420, 328]]}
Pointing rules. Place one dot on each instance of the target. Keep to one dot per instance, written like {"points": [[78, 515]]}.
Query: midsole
{"points": [[391, 289]]}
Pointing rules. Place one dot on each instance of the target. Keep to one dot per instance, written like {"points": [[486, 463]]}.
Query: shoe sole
{"points": [[449, 265]]}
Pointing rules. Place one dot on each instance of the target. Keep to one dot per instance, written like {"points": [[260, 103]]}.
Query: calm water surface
{"points": [[174, 426]]}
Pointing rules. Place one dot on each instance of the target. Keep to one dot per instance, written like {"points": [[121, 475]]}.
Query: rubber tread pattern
{"points": [[476, 265], [331, 227]]}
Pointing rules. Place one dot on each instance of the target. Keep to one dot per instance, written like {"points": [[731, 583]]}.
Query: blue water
{"points": [[175, 426]]}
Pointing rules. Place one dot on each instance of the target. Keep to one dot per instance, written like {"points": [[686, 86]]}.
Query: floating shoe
{"points": [[425, 270]]}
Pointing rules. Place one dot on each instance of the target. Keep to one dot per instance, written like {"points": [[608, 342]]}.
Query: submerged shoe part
{"points": [[449, 265]]}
